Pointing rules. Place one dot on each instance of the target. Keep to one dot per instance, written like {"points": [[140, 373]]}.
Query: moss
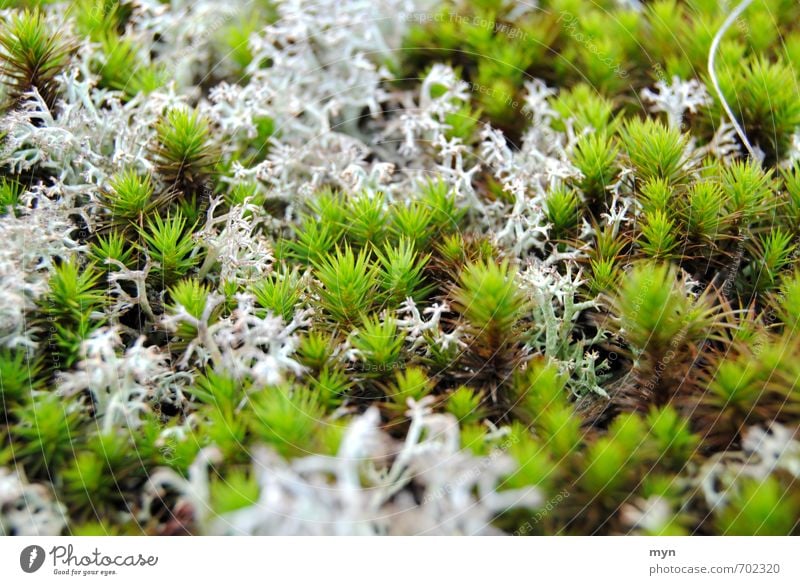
{"points": [[601, 300]]}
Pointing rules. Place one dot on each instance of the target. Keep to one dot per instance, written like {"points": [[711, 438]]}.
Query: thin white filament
{"points": [[712, 54]]}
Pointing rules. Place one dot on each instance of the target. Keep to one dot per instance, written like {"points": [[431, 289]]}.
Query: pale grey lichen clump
{"points": [[28, 509], [362, 489]]}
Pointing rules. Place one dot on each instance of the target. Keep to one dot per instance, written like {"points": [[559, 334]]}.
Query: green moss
{"points": [[666, 256]]}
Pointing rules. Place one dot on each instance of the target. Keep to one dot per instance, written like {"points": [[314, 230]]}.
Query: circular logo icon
{"points": [[31, 558]]}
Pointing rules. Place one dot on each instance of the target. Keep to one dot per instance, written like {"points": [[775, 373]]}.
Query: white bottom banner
{"points": [[388, 561]]}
